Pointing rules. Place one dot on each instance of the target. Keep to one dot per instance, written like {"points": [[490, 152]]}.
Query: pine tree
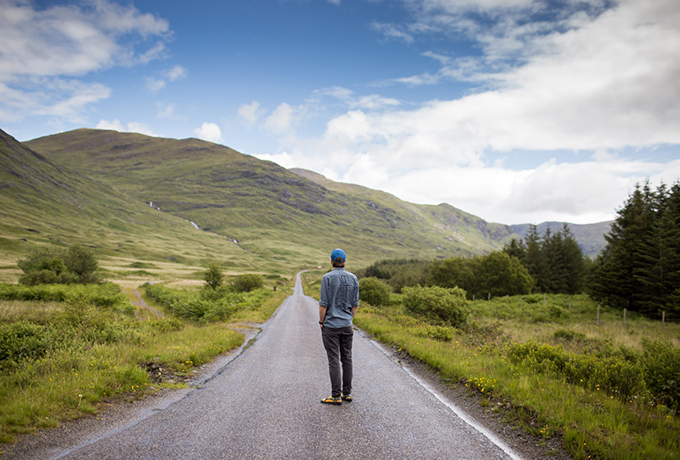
{"points": [[516, 248], [535, 261], [614, 278], [573, 263]]}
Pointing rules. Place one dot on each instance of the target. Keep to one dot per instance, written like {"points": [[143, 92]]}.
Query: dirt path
{"points": [[139, 302]]}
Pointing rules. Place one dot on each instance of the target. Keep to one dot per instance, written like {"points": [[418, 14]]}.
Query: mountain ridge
{"points": [[276, 216], [263, 205]]}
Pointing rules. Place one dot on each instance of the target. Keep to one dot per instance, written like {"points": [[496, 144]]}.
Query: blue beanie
{"points": [[338, 253]]}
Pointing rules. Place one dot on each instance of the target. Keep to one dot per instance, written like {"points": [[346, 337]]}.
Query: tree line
{"points": [[551, 263], [639, 268]]}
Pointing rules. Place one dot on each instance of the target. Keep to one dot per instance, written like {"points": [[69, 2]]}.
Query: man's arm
{"points": [[354, 310], [322, 314]]}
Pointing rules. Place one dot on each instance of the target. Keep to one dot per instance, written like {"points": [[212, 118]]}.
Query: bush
{"points": [[58, 266], [248, 282], [206, 305], [374, 292], [611, 372], [661, 364], [442, 304], [441, 333], [22, 341], [213, 275], [102, 295], [569, 335], [82, 263]]}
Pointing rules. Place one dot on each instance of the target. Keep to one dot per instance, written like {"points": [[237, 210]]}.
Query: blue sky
{"points": [[513, 110]]}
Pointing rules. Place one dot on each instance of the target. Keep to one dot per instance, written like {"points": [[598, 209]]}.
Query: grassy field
{"points": [[73, 348], [550, 369]]}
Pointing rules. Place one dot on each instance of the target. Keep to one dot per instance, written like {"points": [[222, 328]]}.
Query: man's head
{"points": [[338, 258]]}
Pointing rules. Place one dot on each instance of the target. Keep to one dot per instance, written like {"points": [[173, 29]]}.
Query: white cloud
{"points": [[47, 48], [154, 85], [250, 112], [392, 32], [209, 132], [114, 125], [283, 159], [68, 40], [176, 73], [604, 81], [281, 120], [132, 127], [166, 110]]}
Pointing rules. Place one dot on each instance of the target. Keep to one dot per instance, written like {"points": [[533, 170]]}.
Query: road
{"points": [[265, 404]]}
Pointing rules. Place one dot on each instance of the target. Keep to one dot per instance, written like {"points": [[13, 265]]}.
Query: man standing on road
{"points": [[337, 305]]}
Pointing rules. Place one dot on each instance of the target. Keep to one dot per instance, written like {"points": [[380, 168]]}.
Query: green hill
{"points": [[185, 202], [278, 214], [45, 203]]}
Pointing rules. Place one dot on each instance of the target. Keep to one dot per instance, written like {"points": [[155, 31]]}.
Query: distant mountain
{"points": [[590, 237]]}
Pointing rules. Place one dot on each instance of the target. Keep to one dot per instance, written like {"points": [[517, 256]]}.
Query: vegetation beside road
{"points": [[545, 364], [67, 348]]}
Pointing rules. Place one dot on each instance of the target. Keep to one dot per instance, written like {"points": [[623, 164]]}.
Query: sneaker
{"points": [[347, 398], [332, 400]]}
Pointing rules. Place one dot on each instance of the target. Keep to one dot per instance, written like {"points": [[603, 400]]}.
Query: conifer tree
{"points": [[617, 276], [572, 262], [535, 261]]}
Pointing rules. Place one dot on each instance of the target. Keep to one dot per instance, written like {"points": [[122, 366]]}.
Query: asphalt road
{"points": [[265, 404]]}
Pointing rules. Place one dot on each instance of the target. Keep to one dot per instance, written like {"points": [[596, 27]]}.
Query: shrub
{"points": [[440, 333], [58, 266], [661, 364], [102, 295], [374, 292], [206, 305], [22, 341], [247, 282], [213, 275], [82, 263], [442, 304], [611, 372], [569, 335]]}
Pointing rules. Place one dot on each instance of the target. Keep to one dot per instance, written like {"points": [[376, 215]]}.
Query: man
{"points": [[338, 304]]}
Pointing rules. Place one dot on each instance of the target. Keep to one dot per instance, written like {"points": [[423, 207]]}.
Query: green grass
{"points": [[590, 421], [84, 355]]}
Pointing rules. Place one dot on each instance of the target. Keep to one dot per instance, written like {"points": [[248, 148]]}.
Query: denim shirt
{"points": [[339, 294]]}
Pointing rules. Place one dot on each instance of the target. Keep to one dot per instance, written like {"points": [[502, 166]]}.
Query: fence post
{"points": [[473, 297], [598, 313], [520, 301], [507, 299], [489, 296], [544, 298], [624, 317], [663, 320], [569, 306]]}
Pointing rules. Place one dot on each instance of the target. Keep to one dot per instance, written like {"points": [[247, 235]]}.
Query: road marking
{"points": [[442, 399]]}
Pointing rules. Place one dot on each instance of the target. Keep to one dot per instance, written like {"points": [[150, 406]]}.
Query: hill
{"points": [[45, 203], [280, 215], [185, 202]]}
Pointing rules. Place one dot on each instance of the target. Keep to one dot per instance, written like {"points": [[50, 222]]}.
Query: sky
{"points": [[516, 111]]}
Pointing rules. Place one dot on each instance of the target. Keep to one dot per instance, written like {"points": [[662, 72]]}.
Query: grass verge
{"points": [[60, 359], [591, 421]]}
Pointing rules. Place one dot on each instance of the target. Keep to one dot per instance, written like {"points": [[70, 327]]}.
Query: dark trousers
{"points": [[338, 345]]}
